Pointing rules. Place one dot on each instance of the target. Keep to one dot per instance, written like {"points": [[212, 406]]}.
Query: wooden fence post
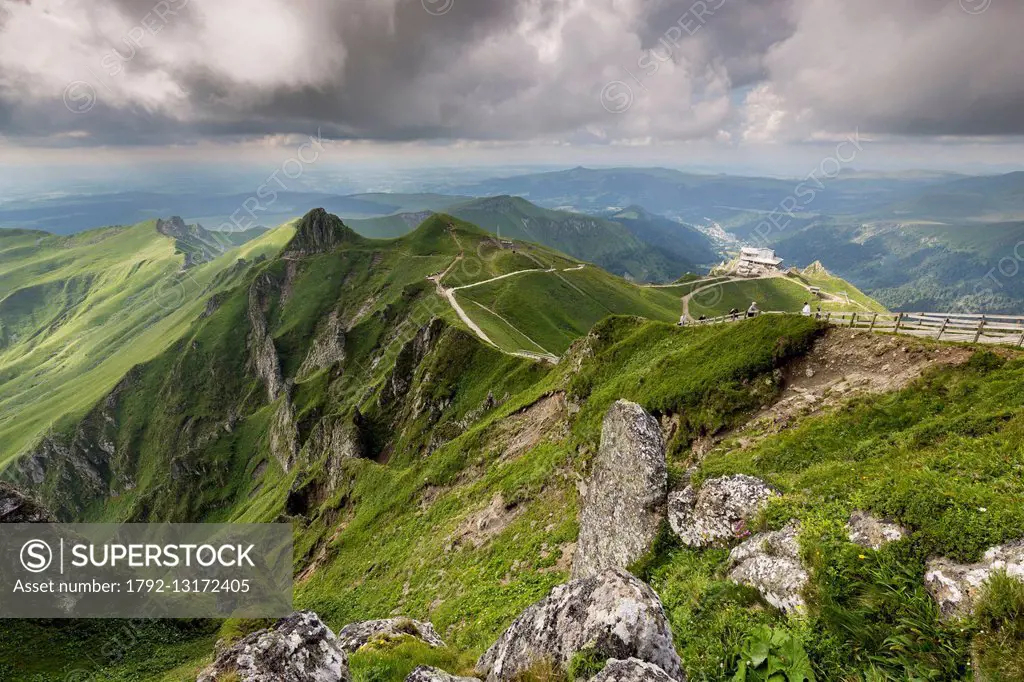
{"points": [[873, 320], [853, 319], [943, 330], [981, 326], [828, 318], [899, 323]]}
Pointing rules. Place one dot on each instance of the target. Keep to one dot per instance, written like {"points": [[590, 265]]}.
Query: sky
{"points": [[748, 84]]}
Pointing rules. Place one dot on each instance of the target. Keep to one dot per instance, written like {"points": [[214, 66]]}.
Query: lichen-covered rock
{"points": [[872, 532], [625, 496], [631, 670], [613, 612], [299, 648], [955, 587], [354, 636], [425, 673], [770, 563], [16, 507], [718, 513]]}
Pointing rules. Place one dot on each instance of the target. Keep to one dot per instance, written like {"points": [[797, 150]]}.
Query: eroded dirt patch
{"points": [[842, 364], [484, 524], [546, 419]]}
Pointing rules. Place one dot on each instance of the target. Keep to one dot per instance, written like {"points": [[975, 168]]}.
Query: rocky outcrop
{"points": [[328, 347], [398, 383], [631, 670], [319, 232], [338, 438], [16, 507], [425, 673], [872, 532], [770, 563], [356, 635], [613, 613], [718, 513], [956, 587], [284, 435], [624, 502], [263, 357], [299, 648]]}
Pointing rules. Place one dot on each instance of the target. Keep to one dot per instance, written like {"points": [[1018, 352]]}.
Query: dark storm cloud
{"points": [[506, 69]]}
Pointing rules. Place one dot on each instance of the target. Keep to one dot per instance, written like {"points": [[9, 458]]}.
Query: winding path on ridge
{"points": [[449, 295]]}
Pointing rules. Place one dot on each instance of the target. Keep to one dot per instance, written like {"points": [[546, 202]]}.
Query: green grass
{"points": [[781, 294], [942, 457], [397, 532], [86, 309], [556, 308]]}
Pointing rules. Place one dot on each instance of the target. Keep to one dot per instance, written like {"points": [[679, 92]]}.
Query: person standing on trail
{"points": [[806, 312], [753, 310]]}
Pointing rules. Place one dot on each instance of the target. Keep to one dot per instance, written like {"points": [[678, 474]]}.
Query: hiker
{"points": [[753, 310], [734, 314], [702, 319], [806, 312]]}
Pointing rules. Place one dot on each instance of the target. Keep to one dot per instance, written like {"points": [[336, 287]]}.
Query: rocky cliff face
{"points": [[263, 357]]}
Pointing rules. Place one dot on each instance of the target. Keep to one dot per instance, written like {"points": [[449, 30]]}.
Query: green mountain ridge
{"points": [[645, 247], [430, 474]]}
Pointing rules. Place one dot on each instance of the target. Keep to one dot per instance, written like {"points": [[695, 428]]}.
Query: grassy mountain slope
{"points": [[554, 309], [781, 294], [76, 313], [428, 474]]}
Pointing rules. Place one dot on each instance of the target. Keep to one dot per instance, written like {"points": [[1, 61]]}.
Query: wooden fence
{"points": [[960, 327]]}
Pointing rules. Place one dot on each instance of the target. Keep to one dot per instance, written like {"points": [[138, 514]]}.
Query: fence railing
{"points": [[958, 327]]}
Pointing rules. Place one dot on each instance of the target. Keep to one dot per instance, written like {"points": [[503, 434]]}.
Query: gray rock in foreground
{"points": [[352, 637], [956, 587], [631, 670], [718, 513], [624, 502], [425, 673], [869, 531], [299, 648], [613, 612], [770, 563]]}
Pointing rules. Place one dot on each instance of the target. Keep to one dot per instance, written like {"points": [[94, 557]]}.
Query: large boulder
{"points": [[956, 587], [425, 673], [613, 612], [718, 513], [872, 532], [16, 507], [299, 648], [354, 636], [631, 670], [770, 563], [624, 501]]}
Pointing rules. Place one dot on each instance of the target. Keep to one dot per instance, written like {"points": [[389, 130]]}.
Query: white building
{"points": [[755, 262]]}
